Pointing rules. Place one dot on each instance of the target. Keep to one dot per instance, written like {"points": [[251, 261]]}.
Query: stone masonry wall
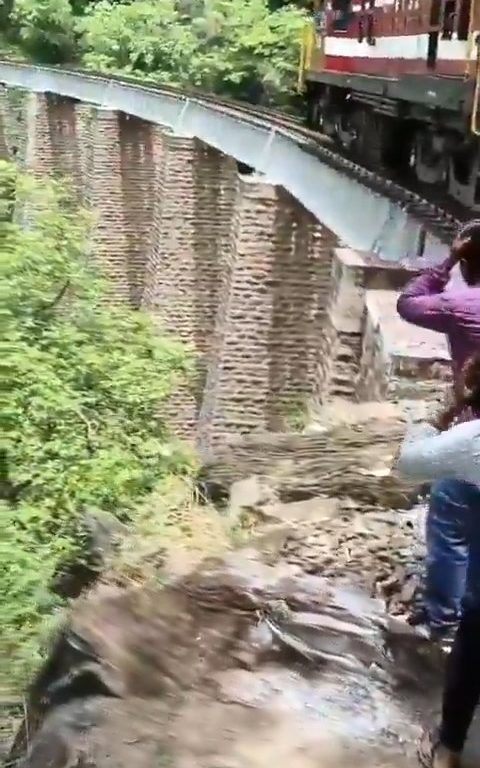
{"points": [[355, 360], [270, 312], [237, 386], [51, 147], [341, 336], [186, 260], [138, 185], [397, 360], [13, 128], [275, 313], [5, 151], [103, 194]]}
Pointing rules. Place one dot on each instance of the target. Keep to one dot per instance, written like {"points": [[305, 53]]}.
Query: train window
{"points": [[342, 11], [371, 24], [361, 21], [449, 18], [464, 20], [320, 17]]}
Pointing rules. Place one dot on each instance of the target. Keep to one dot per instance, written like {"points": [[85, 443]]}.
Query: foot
{"points": [[444, 637], [441, 636], [432, 754], [418, 616]]}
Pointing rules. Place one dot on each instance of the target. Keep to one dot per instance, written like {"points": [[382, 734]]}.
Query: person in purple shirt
{"points": [[456, 313]]}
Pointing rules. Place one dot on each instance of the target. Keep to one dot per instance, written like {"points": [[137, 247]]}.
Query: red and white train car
{"points": [[399, 81]]}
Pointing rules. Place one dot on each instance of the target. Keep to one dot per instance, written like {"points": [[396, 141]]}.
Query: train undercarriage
{"points": [[386, 134]]}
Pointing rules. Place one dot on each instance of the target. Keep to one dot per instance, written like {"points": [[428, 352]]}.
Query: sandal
{"points": [[427, 751]]}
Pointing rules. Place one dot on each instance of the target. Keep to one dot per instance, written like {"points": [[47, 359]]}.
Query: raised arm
{"points": [[423, 302], [427, 454]]}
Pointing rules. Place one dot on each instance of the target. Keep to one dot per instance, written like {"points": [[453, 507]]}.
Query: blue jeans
{"points": [[453, 551]]}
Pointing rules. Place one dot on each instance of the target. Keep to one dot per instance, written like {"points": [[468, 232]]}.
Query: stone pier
{"points": [[397, 361], [49, 143]]}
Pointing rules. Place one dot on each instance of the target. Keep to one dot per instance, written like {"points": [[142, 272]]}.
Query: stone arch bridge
{"points": [[268, 274]]}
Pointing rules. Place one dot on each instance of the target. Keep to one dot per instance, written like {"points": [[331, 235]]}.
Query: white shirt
{"points": [[427, 454]]}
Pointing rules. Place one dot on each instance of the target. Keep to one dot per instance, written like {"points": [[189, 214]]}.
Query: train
{"points": [[397, 83]]}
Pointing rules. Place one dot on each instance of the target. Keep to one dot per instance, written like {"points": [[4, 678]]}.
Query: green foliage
{"points": [[232, 47], [27, 611], [82, 390], [46, 28], [296, 414], [240, 48], [140, 37]]}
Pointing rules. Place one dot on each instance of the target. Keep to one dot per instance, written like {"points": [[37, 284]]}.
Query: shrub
{"points": [[83, 386]]}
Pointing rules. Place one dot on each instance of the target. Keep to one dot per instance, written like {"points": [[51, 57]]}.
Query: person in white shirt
{"points": [[451, 450]]}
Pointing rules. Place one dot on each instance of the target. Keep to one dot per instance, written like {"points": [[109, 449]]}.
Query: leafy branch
{"points": [[57, 299]]}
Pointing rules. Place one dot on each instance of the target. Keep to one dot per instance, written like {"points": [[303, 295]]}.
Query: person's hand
{"points": [[471, 374], [443, 419], [438, 422]]}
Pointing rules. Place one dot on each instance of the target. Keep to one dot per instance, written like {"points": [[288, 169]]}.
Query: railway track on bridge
{"points": [[436, 212], [439, 215], [432, 210]]}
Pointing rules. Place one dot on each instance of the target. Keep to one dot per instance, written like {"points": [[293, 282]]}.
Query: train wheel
{"points": [[314, 108], [464, 176], [429, 158], [345, 132], [368, 137], [397, 142]]}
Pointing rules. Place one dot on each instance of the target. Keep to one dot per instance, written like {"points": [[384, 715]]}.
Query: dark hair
{"points": [[470, 230], [469, 400], [471, 380], [466, 248]]}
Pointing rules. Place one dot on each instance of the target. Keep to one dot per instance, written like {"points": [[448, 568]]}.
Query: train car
{"points": [[398, 83]]}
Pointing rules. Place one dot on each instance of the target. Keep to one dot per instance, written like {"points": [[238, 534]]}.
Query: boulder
{"points": [[341, 461], [234, 655]]}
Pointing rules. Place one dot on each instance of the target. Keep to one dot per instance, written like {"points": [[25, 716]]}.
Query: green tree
{"points": [[249, 46], [82, 391], [46, 29], [28, 606], [141, 38], [6, 7], [231, 47], [242, 48]]}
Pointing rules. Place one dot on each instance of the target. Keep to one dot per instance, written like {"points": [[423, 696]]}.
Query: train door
{"points": [[312, 51], [371, 31], [342, 14], [320, 28], [463, 25], [436, 13]]}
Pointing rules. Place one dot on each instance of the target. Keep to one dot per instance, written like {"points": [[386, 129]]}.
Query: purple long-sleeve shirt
{"points": [[456, 312]]}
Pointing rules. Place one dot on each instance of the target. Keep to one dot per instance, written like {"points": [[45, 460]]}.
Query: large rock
{"points": [[100, 533], [237, 664], [340, 459]]}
